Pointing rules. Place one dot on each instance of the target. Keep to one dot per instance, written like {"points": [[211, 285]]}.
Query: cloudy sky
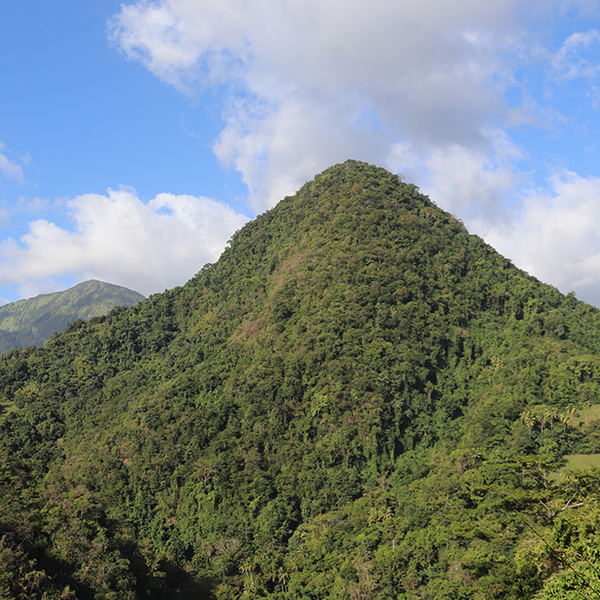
{"points": [[136, 137]]}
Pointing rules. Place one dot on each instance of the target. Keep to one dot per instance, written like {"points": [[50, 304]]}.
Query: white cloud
{"points": [[570, 61], [312, 83], [556, 234], [121, 239], [465, 181], [10, 169], [418, 87], [578, 59]]}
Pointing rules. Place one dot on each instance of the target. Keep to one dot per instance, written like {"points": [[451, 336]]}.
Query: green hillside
{"points": [[33, 321], [358, 400]]}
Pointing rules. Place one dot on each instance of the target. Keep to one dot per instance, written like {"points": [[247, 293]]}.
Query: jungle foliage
{"points": [[358, 400]]}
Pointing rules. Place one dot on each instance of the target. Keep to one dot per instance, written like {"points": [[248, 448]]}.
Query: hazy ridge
{"points": [[34, 320]]}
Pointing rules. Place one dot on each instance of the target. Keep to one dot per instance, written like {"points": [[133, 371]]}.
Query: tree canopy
{"points": [[358, 400]]}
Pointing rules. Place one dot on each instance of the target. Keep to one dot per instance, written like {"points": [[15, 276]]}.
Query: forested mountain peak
{"points": [[358, 400], [32, 321]]}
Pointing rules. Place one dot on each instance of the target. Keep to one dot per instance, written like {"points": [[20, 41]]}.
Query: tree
{"points": [[529, 420]]}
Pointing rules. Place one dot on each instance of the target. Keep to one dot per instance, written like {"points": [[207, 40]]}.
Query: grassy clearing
{"points": [[586, 415], [582, 462], [577, 462]]}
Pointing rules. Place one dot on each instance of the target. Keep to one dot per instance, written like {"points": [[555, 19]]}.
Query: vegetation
{"points": [[358, 400], [32, 322]]}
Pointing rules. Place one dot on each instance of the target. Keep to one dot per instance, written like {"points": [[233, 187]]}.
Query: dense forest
{"points": [[358, 400]]}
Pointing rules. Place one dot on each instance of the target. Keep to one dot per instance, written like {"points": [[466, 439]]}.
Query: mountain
{"points": [[358, 400], [33, 321]]}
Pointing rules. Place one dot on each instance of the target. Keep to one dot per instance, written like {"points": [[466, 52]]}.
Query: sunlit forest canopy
{"points": [[358, 400]]}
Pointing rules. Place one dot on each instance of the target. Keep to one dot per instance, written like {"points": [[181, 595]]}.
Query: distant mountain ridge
{"points": [[33, 321]]}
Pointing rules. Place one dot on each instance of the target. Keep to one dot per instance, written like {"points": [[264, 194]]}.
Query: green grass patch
{"points": [[582, 462], [586, 415], [577, 462]]}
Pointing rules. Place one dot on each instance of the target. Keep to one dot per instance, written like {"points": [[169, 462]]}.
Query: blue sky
{"points": [[136, 137]]}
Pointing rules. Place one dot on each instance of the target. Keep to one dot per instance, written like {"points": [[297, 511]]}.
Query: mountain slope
{"points": [[32, 321], [359, 399]]}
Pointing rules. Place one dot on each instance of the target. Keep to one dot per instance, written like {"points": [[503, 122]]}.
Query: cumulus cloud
{"points": [[418, 87], [146, 246], [556, 235], [466, 181], [314, 83]]}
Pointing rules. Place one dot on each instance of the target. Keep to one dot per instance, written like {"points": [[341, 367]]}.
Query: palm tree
{"points": [[247, 569], [529, 420], [551, 414], [567, 416], [541, 413], [283, 578]]}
